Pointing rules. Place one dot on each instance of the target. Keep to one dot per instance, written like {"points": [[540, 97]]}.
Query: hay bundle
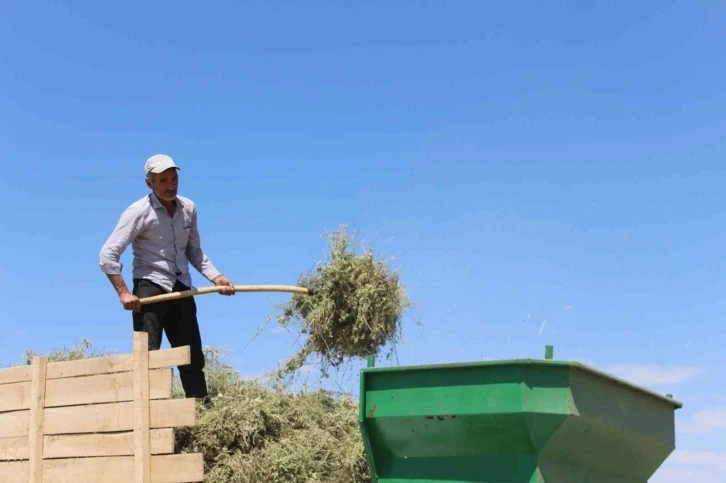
{"points": [[355, 308], [254, 434]]}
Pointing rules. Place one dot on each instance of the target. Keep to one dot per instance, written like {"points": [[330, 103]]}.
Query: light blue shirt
{"points": [[163, 246]]}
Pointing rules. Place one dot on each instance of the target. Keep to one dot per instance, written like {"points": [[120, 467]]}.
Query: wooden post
{"points": [[37, 409], [142, 441]]}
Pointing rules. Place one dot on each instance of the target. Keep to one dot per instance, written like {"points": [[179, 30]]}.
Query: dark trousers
{"points": [[178, 320]]}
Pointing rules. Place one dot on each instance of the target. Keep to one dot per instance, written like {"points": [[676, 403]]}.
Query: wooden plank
{"points": [[142, 444], [14, 448], [15, 472], [178, 356], [87, 445], [98, 418], [86, 390], [105, 388], [15, 396], [15, 424], [181, 468], [15, 374], [112, 444], [37, 408]]}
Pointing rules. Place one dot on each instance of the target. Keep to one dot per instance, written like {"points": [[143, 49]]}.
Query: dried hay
{"points": [[355, 308], [252, 432], [255, 434]]}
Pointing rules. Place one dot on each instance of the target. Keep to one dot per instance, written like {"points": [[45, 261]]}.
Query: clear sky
{"points": [[544, 173]]}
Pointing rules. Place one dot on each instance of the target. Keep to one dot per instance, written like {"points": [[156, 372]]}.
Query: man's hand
{"points": [[130, 301], [222, 281]]}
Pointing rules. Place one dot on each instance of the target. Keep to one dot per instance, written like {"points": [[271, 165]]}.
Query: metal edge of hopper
{"points": [[665, 398], [362, 423], [545, 362]]}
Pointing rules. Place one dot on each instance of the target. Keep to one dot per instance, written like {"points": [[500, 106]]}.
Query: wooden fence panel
{"points": [[178, 468], [99, 418], [73, 391], [102, 420], [179, 356], [84, 445]]}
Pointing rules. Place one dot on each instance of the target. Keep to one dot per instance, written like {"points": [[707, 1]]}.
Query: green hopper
{"points": [[512, 421]]}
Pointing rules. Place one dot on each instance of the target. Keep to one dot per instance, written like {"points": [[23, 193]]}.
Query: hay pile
{"points": [[252, 433], [355, 309], [84, 350]]}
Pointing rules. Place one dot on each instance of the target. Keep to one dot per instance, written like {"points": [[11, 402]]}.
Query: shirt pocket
{"points": [[185, 229]]}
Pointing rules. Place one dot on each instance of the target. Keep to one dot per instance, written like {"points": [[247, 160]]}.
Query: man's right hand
{"points": [[130, 301]]}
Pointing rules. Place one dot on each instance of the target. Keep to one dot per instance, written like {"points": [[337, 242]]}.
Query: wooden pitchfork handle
{"points": [[237, 288]]}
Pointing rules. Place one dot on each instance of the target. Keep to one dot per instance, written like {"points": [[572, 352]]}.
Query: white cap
{"points": [[159, 163]]}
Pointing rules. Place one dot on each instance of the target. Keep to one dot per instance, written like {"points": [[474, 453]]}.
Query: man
{"points": [[162, 230]]}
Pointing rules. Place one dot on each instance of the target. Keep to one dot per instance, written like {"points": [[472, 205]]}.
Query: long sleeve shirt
{"points": [[163, 246]]}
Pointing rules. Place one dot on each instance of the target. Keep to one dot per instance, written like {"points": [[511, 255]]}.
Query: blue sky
{"points": [[543, 174]]}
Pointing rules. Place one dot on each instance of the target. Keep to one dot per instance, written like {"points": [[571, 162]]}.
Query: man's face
{"points": [[165, 184]]}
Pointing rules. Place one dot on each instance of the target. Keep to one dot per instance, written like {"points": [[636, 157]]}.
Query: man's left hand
{"points": [[222, 281]]}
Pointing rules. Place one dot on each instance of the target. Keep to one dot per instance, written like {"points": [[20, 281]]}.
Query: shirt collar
{"points": [[156, 204]]}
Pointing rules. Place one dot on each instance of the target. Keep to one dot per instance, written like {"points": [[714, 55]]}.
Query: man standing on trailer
{"points": [[162, 230]]}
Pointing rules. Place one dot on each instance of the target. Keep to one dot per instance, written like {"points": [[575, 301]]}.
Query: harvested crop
{"points": [[355, 308]]}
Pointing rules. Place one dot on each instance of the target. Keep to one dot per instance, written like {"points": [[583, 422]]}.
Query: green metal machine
{"points": [[514, 421]]}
